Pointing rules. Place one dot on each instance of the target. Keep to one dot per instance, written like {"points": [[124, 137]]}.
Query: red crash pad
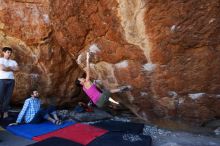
{"points": [[80, 133]]}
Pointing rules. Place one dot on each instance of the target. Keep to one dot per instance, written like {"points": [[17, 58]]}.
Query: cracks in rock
{"points": [[90, 29], [94, 12], [47, 38], [29, 2]]}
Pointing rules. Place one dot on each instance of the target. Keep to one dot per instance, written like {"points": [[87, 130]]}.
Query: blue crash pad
{"points": [[32, 130]]}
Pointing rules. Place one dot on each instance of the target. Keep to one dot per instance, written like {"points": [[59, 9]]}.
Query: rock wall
{"points": [[168, 51], [185, 46], [44, 64]]}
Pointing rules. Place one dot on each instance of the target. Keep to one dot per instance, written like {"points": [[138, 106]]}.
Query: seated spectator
{"points": [[33, 113]]}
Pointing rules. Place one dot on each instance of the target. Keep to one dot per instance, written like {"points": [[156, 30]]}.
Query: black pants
{"points": [[6, 90], [43, 114]]}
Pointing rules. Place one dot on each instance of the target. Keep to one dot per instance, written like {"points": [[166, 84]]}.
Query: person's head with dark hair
{"points": [[7, 51], [4, 49], [78, 83], [34, 93]]}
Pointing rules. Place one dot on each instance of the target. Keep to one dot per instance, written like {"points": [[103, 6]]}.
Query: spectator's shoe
{"points": [[58, 122], [5, 115]]}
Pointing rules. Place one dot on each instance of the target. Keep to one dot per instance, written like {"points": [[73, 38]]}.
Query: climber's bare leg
{"points": [[113, 101], [121, 89]]}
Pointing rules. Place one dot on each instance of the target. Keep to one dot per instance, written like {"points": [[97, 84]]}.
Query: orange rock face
{"points": [[44, 64], [185, 46], [168, 52]]}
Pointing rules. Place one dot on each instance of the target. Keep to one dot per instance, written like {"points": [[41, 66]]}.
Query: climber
{"points": [[99, 98]]}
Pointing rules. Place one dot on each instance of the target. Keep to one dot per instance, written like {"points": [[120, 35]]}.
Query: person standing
{"points": [[7, 82]]}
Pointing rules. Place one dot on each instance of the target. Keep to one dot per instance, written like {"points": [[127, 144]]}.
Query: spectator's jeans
{"points": [[6, 90], [43, 114]]}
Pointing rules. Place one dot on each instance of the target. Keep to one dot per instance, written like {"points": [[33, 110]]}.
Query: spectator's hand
{"points": [[13, 124], [14, 68], [2, 67]]}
